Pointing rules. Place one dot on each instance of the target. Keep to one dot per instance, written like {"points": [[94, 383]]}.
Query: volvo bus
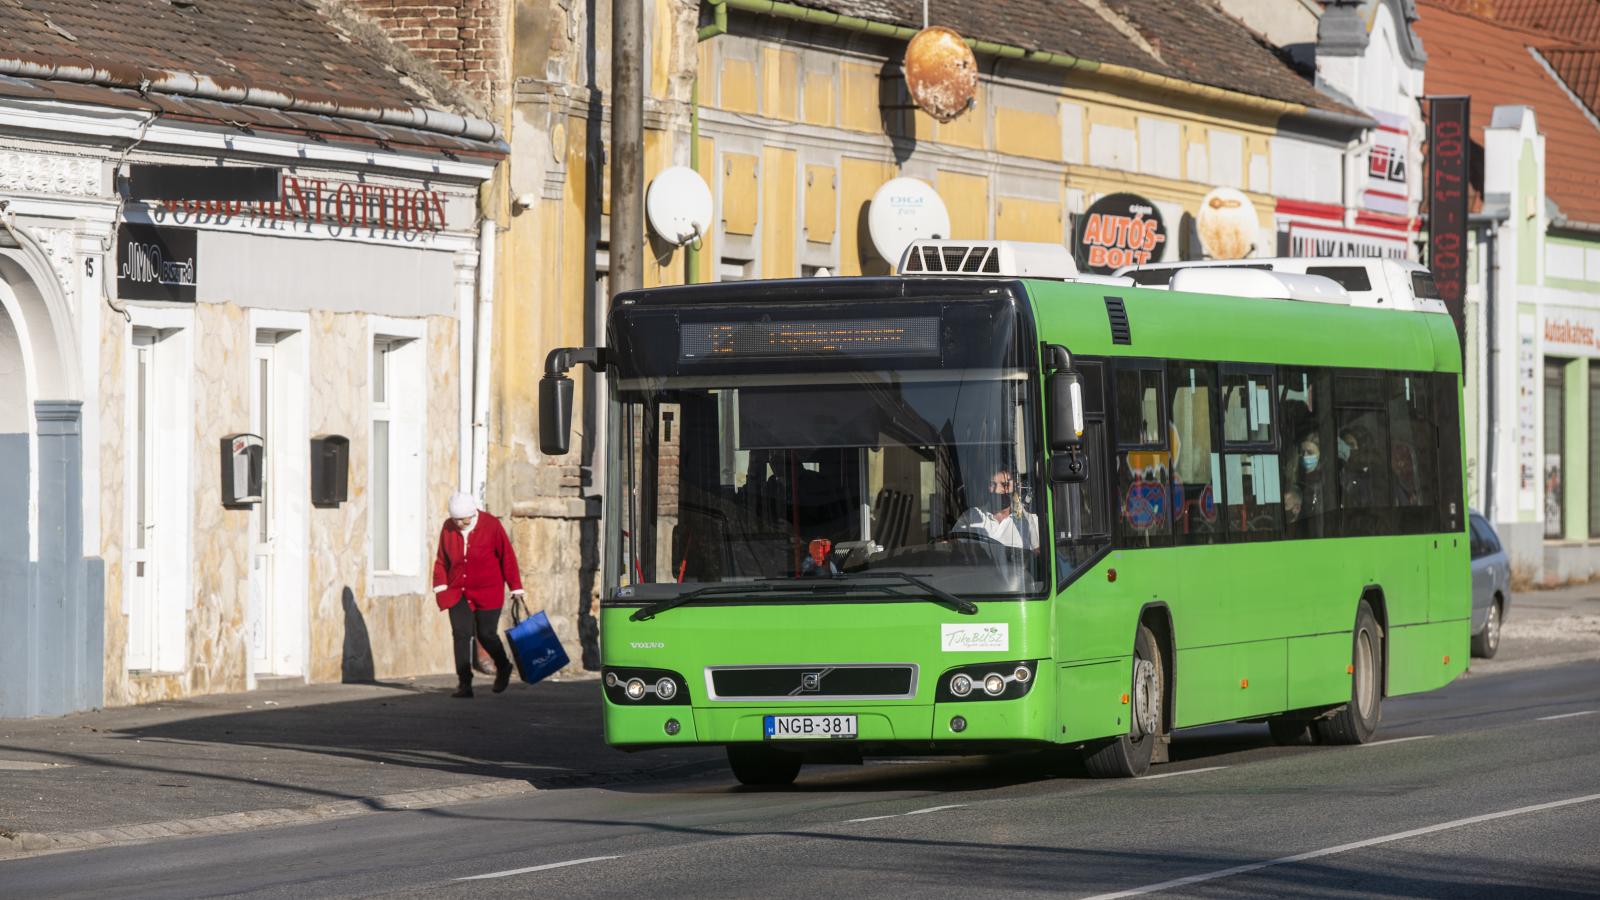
{"points": [[992, 504]]}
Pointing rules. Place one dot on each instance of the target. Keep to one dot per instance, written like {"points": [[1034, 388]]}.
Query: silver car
{"points": [[1491, 587]]}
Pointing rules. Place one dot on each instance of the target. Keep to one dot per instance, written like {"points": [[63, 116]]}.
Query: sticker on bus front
{"points": [[975, 638]]}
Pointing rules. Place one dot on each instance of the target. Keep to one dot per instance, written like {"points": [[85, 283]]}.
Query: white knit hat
{"points": [[462, 506]]}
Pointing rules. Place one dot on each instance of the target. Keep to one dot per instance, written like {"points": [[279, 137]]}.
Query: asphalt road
{"points": [[1490, 787]]}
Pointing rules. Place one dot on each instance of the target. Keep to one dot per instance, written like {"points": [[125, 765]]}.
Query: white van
{"points": [[1370, 281]]}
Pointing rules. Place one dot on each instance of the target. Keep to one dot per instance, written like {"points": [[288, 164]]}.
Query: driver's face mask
{"points": [[1000, 493]]}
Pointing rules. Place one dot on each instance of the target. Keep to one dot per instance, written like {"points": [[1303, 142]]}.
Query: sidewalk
{"points": [[235, 761], [1547, 628]]}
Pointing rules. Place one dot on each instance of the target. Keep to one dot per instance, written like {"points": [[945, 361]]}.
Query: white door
{"points": [[263, 519], [141, 434]]}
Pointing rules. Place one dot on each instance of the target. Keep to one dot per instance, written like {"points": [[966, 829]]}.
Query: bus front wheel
{"points": [[1357, 721], [761, 766], [1129, 755]]}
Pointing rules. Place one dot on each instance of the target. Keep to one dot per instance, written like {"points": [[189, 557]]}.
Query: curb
{"points": [[18, 845]]}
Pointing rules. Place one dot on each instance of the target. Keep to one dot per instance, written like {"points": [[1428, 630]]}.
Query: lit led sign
{"points": [[898, 337]]}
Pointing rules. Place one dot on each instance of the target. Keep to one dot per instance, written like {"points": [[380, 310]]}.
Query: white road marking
{"points": [[1345, 848], [915, 812], [1176, 774], [557, 865], [1420, 737], [21, 765], [1587, 712]]}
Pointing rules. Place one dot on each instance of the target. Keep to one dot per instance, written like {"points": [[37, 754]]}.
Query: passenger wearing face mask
{"points": [[1309, 481], [1003, 519]]}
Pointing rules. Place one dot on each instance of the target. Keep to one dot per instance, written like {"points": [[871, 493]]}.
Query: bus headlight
{"points": [[987, 681], [644, 687]]}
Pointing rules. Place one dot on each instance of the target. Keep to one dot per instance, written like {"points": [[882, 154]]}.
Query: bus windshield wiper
{"points": [[959, 604], [761, 585], [802, 585]]}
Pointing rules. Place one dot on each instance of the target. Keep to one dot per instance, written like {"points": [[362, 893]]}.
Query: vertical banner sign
{"points": [[1449, 142]]}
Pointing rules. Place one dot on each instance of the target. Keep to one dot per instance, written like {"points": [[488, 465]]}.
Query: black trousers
{"points": [[464, 623]]}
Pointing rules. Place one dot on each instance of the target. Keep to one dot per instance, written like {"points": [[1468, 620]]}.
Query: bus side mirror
{"points": [[1069, 466], [1066, 411], [555, 414], [555, 394]]}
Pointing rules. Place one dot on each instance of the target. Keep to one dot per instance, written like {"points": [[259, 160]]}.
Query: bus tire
{"points": [[761, 766], [1357, 721], [1128, 756]]}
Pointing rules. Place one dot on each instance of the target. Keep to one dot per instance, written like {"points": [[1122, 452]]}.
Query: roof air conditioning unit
{"points": [[1004, 259]]}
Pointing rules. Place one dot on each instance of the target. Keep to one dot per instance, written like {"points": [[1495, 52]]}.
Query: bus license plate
{"points": [[810, 728]]}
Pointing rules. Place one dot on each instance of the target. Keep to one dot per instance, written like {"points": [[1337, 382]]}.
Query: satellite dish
{"points": [[941, 73], [1227, 224], [903, 210], [678, 205]]}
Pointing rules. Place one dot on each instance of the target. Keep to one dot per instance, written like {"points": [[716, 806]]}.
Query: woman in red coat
{"points": [[475, 565]]}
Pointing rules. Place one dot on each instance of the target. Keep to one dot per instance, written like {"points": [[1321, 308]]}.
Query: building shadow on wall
{"points": [[356, 664]]}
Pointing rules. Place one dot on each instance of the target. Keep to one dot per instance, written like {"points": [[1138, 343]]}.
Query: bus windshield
{"points": [[827, 478]]}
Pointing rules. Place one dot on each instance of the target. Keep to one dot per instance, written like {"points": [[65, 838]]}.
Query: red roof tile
{"points": [[1493, 63], [286, 52], [1579, 67], [1577, 20]]}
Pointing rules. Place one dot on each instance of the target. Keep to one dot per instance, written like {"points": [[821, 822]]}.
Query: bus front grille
{"points": [[842, 682]]}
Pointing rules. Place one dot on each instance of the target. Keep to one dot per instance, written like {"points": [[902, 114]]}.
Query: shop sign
{"points": [[1528, 394], [154, 181], [1571, 332], [1118, 230], [1313, 240], [1388, 189], [1448, 149], [322, 207], [156, 263]]}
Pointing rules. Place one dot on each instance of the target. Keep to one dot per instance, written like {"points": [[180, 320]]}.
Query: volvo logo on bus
{"points": [[811, 682]]}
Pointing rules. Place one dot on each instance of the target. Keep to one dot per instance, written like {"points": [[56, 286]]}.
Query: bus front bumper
{"points": [[1029, 719]]}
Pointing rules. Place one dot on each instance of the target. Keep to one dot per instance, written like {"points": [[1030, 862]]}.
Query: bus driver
{"points": [[1004, 520]]}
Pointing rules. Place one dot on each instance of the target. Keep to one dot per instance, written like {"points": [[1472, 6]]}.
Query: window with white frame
{"points": [[396, 479]]}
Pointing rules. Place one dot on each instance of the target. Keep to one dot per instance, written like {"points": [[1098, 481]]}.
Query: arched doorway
{"points": [[51, 597]]}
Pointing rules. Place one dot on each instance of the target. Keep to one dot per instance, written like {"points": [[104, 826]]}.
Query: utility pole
{"points": [[627, 146]]}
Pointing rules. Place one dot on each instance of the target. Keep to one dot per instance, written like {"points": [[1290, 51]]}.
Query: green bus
{"points": [[966, 514]]}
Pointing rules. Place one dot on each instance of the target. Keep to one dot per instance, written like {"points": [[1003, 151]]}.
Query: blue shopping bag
{"points": [[534, 645]]}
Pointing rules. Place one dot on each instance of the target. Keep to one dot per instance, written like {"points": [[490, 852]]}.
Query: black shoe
{"points": [[464, 691], [502, 678]]}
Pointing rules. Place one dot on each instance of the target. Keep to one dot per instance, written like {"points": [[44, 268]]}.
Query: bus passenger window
{"points": [[1144, 514], [1307, 426], [1195, 463], [1413, 443], [1362, 445], [1252, 488]]}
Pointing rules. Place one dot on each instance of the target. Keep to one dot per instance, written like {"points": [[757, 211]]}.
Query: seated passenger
{"points": [[1307, 481], [1004, 519]]}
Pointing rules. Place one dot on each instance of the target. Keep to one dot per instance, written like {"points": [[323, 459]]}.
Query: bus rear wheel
{"points": [[761, 766], [1129, 755], [1357, 721]]}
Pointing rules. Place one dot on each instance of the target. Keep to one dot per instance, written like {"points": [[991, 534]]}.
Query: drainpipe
{"points": [[1490, 222], [691, 250], [480, 362], [627, 147]]}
